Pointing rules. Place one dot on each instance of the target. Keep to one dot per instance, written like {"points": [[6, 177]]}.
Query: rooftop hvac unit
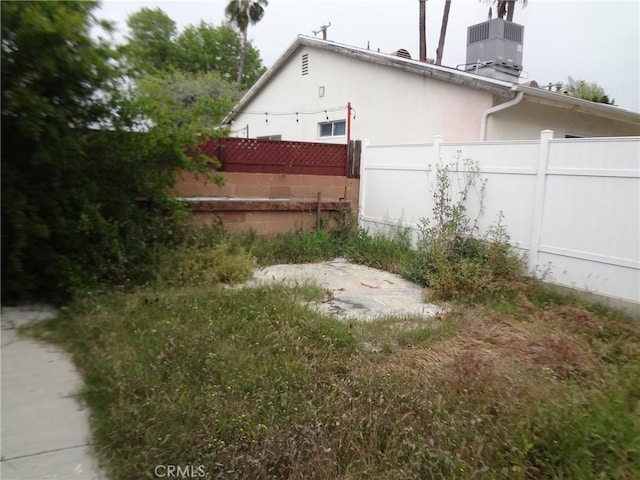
{"points": [[495, 41]]}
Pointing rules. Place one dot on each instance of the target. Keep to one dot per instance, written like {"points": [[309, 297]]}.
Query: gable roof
{"points": [[446, 74]]}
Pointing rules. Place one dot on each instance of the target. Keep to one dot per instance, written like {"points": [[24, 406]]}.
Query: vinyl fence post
{"points": [[363, 180], [437, 141], [539, 199]]}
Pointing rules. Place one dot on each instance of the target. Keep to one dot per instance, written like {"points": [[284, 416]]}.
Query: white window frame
{"points": [[333, 128]]}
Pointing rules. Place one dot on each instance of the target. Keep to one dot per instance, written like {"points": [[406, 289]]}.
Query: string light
{"points": [[236, 113], [239, 130], [311, 112]]}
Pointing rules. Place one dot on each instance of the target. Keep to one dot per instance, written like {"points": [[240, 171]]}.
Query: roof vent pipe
{"points": [[492, 110]]}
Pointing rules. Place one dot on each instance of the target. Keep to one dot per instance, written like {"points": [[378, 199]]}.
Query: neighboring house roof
{"points": [[446, 74]]}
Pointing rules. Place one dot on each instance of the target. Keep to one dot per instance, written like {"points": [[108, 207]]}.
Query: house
{"points": [[323, 91]]}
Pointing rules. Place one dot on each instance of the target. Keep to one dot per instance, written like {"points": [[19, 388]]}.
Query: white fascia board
{"points": [[561, 100]]}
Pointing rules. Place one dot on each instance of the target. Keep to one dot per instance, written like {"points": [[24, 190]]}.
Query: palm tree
{"points": [[504, 7], [423, 30], [443, 32], [507, 7], [243, 13]]}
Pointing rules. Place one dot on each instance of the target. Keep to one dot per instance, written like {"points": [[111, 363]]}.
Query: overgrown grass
{"points": [[392, 252], [251, 383], [515, 381]]}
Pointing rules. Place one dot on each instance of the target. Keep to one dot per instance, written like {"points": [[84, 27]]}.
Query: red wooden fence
{"points": [[250, 155]]}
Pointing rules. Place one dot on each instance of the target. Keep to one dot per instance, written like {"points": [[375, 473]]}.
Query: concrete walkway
{"points": [[45, 432]]}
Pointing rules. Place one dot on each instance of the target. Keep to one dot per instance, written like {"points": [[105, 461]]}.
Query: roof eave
{"points": [[263, 80], [446, 74], [437, 72], [539, 95]]}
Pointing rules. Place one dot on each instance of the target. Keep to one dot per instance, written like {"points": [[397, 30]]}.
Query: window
{"points": [[305, 64], [337, 128], [270, 137]]}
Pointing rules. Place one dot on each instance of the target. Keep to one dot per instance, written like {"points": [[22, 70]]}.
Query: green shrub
{"points": [[452, 261], [88, 163], [205, 264]]}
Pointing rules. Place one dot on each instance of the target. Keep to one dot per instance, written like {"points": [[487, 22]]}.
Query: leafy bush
{"points": [[86, 166], [452, 261], [205, 265], [206, 255]]}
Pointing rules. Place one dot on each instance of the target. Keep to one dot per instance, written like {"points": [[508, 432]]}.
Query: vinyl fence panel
{"points": [[573, 205]]}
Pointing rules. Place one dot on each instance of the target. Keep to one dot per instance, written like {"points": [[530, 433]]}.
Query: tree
{"points": [[243, 13], [150, 44], [507, 8], [206, 48], [153, 45], [51, 73], [443, 32], [591, 91], [197, 100], [423, 30], [85, 194]]}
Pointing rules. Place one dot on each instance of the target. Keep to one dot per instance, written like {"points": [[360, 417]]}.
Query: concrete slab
{"points": [[45, 431], [68, 464], [355, 291]]}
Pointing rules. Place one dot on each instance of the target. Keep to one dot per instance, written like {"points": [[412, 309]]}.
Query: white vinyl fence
{"points": [[572, 204]]}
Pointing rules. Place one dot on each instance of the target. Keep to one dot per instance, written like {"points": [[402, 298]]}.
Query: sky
{"points": [[591, 40]]}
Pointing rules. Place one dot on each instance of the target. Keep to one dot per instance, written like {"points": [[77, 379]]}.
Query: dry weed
{"points": [[559, 354]]}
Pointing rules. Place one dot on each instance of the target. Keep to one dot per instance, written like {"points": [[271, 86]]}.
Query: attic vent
{"points": [[402, 53], [479, 32], [513, 31], [305, 64]]}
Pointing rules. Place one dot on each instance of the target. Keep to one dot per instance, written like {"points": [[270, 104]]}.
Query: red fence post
{"points": [[346, 172]]}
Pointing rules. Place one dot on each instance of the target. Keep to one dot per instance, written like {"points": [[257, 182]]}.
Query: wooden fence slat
{"points": [[353, 166], [268, 156]]}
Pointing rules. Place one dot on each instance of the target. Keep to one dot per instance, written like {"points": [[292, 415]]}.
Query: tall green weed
{"points": [[454, 261]]}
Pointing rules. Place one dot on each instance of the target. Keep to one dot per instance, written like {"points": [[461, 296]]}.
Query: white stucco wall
{"points": [[525, 121], [391, 106]]}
